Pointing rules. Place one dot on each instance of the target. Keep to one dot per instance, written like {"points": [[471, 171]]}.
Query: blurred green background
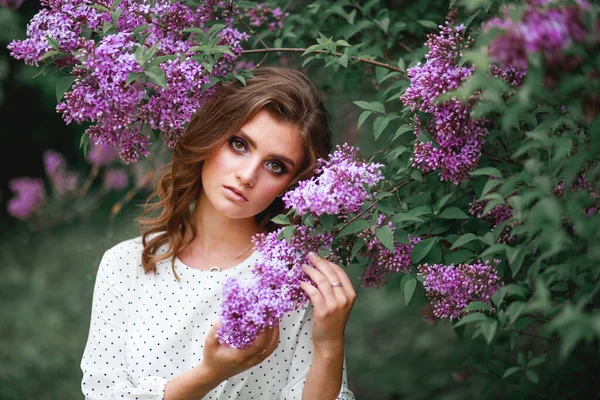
{"points": [[392, 351]]}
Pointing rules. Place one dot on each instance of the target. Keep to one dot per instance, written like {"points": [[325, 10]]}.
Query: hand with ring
{"points": [[332, 300]]}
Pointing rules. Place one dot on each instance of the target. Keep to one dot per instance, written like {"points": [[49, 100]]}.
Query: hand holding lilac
{"points": [[224, 361], [332, 304]]}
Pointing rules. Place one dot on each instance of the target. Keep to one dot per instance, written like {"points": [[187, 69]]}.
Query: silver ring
{"points": [[336, 284]]}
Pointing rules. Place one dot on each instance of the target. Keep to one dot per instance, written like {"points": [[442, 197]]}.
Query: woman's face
{"points": [[244, 176]]}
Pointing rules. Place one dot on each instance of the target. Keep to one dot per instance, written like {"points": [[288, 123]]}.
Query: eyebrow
{"points": [[252, 144]]}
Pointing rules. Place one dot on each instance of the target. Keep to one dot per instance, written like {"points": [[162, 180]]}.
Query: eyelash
{"points": [[235, 139]]}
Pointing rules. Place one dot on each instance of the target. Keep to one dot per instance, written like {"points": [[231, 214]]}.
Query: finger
{"points": [[313, 294], [324, 267], [262, 339], [274, 342], [344, 278], [321, 284], [211, 337]]}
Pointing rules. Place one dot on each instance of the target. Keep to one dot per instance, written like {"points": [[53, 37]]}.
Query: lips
{"points": [[236, 192]]}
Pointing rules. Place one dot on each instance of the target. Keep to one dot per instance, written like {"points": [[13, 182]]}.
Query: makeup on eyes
{"points": [[237, 140]]}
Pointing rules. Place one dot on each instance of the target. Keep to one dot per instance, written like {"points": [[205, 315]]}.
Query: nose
{"points": [[247, 174]]}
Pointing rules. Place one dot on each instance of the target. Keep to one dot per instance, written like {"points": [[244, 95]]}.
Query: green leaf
{"points": [[428, 24], [53, 43], [371, 106], [487, 171], [515, 257], [354, 227], [326, 221], [156, 76], [313, 48], [396, 219], [409, 290], [510, 371], [477, 305], [288, 231], [473, 317], [402, 129], [422, 248], [62, 85], [343, 61], [488, 329], [379, 125], [453, 213], [464, 239], [385, 236], [532, 375], [281, 219]]}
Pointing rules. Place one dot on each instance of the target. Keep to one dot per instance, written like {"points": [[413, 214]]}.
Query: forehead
{"points": [[274, 137]]}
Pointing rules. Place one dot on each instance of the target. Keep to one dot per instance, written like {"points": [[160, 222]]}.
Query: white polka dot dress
{"points": [[145, 329]]}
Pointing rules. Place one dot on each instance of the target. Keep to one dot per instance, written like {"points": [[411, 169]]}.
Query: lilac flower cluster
{"points": [[102, 93], [30, 196], [263, 13], [101, 154], [494, 217], [339, 186], [450, 288], [547, 27], [457, 138], [63, 181], [382, 260], [116, 179], [250, 307], [582, 183]]}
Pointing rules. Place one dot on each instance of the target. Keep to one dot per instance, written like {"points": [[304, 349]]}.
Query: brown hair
{"points": [[288, 96]]}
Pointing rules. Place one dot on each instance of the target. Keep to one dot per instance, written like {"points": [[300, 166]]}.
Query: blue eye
{"points": [[237, 144]]}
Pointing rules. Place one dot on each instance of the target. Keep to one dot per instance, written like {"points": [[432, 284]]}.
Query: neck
{"points": [[218, 237]]}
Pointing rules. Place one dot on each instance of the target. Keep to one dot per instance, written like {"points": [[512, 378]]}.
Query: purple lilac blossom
{"points": [[63, 181], [339, 186], [102, 154], [451, 288], [546, 27], [494, 217], [262, 13], [115, 179], [457, 138], [101, 66], [29, 198], [383, 261], [250, 307]]}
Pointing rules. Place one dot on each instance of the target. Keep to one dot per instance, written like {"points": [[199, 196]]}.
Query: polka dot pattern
{"points": [[146, 329]]}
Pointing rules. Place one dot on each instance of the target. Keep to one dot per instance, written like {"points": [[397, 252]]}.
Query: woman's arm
{"points": [[317, 370], [104, 361], [324, 378]]}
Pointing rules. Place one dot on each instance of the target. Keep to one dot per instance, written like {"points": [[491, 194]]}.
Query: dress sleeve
{"points": [[302, 359], [104, 361]]}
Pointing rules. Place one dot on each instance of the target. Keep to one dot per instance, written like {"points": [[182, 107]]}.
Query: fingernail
{"points": [[305, 266], [311, 255]]}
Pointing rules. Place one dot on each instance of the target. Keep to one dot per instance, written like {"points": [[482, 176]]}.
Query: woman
{"points": [[156, 298]]}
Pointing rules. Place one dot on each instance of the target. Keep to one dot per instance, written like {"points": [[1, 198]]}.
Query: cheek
{"points": [[215, 165]]}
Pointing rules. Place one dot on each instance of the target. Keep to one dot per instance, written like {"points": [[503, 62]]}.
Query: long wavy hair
{"points": [[289, 97]]}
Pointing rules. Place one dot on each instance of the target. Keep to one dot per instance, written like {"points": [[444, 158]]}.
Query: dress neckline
{"points": [[239, 266]]}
